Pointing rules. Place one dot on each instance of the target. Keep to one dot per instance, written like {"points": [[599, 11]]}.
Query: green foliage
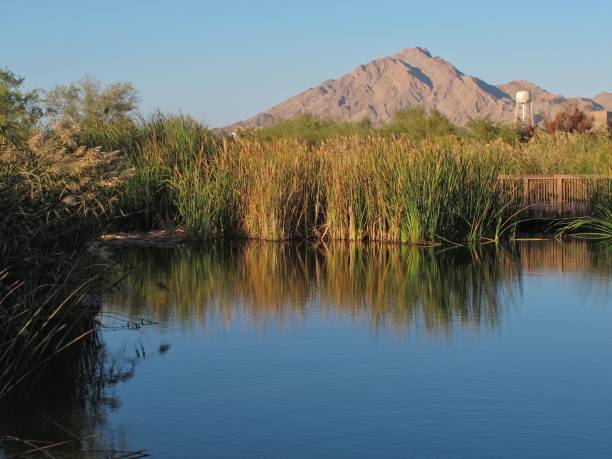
{"points": [[89, 104], [486, 130], [391, 187], [548, 154], [418, 192], [157, 149], [597, 225], [204, 197], [40, 321], [121, 135], [19, 109], [311, 129], [416, 123], [376, 186]]}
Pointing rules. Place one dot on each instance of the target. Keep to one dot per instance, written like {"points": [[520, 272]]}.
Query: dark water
{"points": [[271, 350]]}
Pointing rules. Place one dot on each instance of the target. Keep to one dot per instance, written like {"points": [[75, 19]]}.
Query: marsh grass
{"points": [[400, 190], [39, 322], [55, 198], [560, 153], [417, 180], [356, 188], [374, 185], [596, 226]]}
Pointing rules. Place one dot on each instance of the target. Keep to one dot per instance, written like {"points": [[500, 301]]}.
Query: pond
{"points": [[282, 350]]}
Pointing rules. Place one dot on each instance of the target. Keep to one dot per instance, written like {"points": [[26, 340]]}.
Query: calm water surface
{"points": [[272, 350]]}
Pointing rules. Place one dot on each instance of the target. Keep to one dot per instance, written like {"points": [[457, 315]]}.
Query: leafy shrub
{"points": [[310, 128], [486, 130], [569, 120], [417, 123]]}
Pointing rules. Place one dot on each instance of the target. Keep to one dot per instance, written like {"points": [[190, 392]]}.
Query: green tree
{"points": [[486, 130], [417, 123], [312, 129], [19, 109], [88, 103]]}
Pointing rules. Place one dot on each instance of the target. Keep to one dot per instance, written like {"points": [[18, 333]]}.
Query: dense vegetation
{"points": [[373, 186], [76, 161], [53, 205], [56, 196]]}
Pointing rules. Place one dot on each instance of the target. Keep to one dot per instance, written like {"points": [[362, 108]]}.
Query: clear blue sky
{"points": [[223, 61]]}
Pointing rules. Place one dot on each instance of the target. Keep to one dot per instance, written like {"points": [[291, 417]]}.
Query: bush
{"points": [[485, 130], [569, 120], [310, 129], [55, 195], [416, 123]]}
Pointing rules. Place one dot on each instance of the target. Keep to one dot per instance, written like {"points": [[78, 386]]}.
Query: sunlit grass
{"points": [[597, 225]]}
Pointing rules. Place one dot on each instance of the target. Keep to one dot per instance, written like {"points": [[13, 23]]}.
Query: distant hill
{"points": [[413, 77], [604, 99]]}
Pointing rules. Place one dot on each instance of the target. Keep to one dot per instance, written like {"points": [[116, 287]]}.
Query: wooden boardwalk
{"points": [[555, 196]]}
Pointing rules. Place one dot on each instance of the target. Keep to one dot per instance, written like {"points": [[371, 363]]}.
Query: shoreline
{"points": [[176, 236]]}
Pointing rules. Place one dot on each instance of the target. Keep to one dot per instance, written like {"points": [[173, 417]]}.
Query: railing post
{"points": [[559, 193]]}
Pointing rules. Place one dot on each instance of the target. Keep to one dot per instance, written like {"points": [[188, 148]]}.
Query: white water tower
{"points": [[523, 113]]}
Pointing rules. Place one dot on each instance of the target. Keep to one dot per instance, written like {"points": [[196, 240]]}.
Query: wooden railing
{"points": [[555, 196]]}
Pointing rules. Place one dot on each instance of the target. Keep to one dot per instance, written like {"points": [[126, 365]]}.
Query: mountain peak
{"points": [[413, 51]]}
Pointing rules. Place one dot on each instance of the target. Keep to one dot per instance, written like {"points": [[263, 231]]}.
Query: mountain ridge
{"points": [[413, 77]]}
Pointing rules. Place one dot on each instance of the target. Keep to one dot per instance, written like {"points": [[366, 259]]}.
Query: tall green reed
{"points": [[597, 225]]}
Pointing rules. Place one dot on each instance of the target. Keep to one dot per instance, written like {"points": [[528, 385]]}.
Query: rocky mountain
{"points": [[604, 99], [413, 77]]}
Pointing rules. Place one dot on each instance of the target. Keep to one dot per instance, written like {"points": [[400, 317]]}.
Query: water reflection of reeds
{"points": [[389, 286], [66, 412], [394, 287]]}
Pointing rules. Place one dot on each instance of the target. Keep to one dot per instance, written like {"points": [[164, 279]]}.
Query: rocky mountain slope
{"points": [[413, 77], [604, 99]]}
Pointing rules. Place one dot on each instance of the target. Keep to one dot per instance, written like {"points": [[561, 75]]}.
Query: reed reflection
{"points": [[403, 289], [389, 286], [66, 415]]}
